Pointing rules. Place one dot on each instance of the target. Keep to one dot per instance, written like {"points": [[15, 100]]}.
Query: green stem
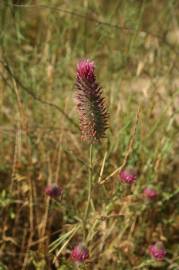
{"points": [[89, 186]]}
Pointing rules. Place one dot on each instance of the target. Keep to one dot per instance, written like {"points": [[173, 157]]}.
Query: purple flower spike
{"points": [[128, 175], [90, 103], [53, 191], [150, 193], [80, 253], [157, 251]]}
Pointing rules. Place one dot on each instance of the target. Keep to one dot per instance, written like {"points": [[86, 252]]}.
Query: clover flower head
{"points": [[53, 191], [80, 253], [128, 175], [157, 251], [150, 193], [90, 103]]}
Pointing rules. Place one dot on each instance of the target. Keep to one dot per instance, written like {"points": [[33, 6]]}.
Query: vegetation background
{"points": [[135, 46]]}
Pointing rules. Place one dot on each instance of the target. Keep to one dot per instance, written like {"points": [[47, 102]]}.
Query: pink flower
{"points": [[53, 191], [90, 103], [128, 175], [80, 253], [85, 70], [150, 193], [157, 251]]}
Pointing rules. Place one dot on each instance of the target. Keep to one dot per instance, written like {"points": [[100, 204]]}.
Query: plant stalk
{"points": [[89, 186]]}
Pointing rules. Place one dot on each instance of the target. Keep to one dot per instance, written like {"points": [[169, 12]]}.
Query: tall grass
{"points": [[134, 45]]}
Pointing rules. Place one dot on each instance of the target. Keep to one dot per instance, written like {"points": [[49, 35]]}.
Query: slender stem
{"points": [[89, 185], [89, 182]]}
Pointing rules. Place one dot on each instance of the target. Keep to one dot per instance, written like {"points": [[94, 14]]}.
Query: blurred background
{"points": [[135, 47]]}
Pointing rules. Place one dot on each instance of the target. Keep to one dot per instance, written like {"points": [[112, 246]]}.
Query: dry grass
{"points": [[135, 47]]}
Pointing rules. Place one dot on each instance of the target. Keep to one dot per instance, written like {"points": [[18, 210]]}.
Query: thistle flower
{"points": [[90, 103], [53, 191], [150, 193], [157, 251], [80, 253], [128, 175]]}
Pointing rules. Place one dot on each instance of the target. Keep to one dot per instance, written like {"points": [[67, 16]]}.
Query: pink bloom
{"points": [[80, 253], [157, 251], [53, 191], [128, 175], [85, 70], [150, 193]]}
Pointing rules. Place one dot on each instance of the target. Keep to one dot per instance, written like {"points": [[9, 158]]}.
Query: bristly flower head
{"points": [[128, 175], [85, 70], [80, 253], [90, 103], [150, 193], [53, 191], [157, 251]]}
